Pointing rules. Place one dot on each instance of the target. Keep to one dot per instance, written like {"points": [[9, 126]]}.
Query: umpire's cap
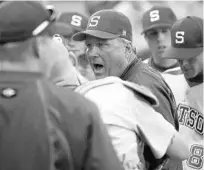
{"points": [[186, 38], [21, 20]]}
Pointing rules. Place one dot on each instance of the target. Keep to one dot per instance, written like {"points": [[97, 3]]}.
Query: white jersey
{"points": [[126, 109], [190, 113], [177, 82]]}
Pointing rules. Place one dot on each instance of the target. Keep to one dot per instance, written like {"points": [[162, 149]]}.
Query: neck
{"points": [[195, 80], [132, 58], [164, 63], [26, 66]]}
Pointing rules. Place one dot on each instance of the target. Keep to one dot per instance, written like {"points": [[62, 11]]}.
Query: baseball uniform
{"points": [[190, 113], [177, 82], [127, 110], [186, 43], [109, 24]]}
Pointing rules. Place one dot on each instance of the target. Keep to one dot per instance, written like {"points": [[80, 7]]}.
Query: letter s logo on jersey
{"points": [[154, 15], [76, 20], [94, 21], [179, 37]]}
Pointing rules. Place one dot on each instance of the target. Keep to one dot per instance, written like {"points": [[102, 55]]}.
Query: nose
{"points": [[92, 50], [70, 44], [161, 36]]}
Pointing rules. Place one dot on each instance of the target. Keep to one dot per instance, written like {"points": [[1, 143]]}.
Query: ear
{"points": [[128, 47], [73, 58], [35, 47]]}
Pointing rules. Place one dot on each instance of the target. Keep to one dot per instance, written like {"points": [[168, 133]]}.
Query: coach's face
{"points": [[107, 57], [193, 66], [158, 40]]}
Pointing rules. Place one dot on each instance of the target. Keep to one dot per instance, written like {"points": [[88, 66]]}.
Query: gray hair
{"points": [[125, 41]]}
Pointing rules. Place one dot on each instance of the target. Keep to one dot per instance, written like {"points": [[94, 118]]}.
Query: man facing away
{"points": [[43, 127]]}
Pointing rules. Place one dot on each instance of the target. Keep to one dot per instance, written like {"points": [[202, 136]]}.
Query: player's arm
{"points": [[167, 104], [177, 148], [100, 153], [159, 134]]}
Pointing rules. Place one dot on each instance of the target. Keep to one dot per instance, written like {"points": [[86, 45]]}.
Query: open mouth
{"points": [[98, 68]]}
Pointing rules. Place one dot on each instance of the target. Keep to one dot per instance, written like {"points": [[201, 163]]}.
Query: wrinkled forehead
{"points": [[93, 40]]}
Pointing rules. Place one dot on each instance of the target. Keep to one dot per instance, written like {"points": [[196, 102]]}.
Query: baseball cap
{"points": [[186, 38], [70, 23], [156, 17], [21, 20], [107, 24]]}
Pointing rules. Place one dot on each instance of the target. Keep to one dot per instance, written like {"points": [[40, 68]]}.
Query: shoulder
{"points": [[68, 103], [150, 78], [105, 90], [115, 90]]}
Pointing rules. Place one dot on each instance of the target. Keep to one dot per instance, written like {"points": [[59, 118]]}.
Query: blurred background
{"points": [[132, 9]]}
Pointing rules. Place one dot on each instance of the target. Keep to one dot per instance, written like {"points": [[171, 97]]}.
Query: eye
{"points": [[88, 46], [152, 34], [165, 30], [102, 44]]}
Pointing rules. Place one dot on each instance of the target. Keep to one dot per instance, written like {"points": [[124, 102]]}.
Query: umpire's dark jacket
{"points": [[25, 99]]}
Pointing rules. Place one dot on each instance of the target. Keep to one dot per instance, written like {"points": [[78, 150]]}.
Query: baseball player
{"points": [[156, 30], [43, 127], [187, 48], [110, 51], [63, 74], [70, 23], [156, 24], [127, 110]]}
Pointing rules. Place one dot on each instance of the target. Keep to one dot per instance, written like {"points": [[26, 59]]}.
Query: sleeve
{"points": [[153, 129], [101, 155], [167, 103]]}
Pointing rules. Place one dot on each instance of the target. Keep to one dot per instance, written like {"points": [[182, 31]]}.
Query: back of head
{"points": [[26, 29], [21, 20], [25, 123], [21, 23]]}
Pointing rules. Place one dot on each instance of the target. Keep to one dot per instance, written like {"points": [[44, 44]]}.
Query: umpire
{"points": [[43, 127]]}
